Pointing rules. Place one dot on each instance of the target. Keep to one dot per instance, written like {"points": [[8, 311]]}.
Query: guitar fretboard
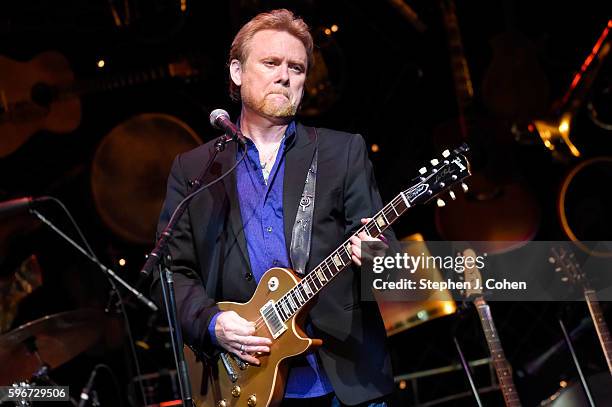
{"points": [[600, 326], [502, 368], [340, 259]]}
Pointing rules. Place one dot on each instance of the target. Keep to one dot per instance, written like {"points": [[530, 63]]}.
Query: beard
{"points": [[271, 107]]}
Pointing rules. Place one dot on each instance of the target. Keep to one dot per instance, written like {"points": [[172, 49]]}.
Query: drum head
{"points": [[584, 204], [130, 169]]}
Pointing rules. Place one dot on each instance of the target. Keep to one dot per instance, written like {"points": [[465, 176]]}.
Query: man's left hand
{"points": [[364, 237]]}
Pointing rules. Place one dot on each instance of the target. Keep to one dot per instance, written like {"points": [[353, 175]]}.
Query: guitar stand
{"points": [[468, 373], [583, 381]]}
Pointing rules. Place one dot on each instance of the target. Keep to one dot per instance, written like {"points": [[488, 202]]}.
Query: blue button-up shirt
{"points": [[261, 207]]}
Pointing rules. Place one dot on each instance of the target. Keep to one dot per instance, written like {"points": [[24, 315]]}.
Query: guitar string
{"points": [[386, 210]]}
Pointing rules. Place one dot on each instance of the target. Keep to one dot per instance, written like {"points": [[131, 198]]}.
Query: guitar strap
{"points": [[302, 228]]}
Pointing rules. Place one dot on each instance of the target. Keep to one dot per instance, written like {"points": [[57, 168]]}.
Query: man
{"points": [[236, 230]]}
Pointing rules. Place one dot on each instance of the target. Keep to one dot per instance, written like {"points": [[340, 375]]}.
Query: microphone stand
{"points": [[102, 267], [160, 258]]}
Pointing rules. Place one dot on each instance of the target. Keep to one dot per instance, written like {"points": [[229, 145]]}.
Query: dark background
{"points": [[387, 81]]}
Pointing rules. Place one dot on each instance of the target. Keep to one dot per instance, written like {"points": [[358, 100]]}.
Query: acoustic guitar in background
{"points": [[508, 212], [42, 94]]}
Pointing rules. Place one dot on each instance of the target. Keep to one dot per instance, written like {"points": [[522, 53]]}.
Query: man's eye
{"points": [[297, 68], [269, 63]]}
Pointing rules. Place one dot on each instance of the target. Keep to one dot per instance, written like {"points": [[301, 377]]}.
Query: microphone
{"points": [[220, 119], [18, 205], [87, 388]]}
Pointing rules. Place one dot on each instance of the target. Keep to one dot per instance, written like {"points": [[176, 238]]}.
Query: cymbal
{"points": [[56, 338]]}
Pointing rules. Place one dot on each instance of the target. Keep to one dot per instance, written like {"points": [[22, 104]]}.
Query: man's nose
{"points": [[283, 74]]}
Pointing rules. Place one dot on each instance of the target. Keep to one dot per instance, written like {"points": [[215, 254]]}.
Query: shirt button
{"points": [[248, 276], [275, 263], [269, 229]]}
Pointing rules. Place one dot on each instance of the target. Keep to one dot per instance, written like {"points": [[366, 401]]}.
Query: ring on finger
{"points": [[242, 351]]}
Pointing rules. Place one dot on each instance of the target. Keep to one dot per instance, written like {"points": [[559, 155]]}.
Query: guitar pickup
{"points": [[273, 320]]}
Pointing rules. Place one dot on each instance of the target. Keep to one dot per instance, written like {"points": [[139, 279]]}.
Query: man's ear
{"points": [[235, 69]]}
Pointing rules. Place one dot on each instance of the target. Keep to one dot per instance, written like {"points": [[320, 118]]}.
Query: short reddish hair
{"points": [[281, 20]]}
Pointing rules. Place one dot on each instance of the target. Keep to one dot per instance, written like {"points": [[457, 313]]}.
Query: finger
{"points": [[365, 220], [356, 251], [253, 349], [356, 260], [256, 340], [246, 357]]}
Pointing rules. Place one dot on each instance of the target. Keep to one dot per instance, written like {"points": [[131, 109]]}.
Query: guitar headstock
{"points": [[445, 172], [567, 266], [471, 275]]}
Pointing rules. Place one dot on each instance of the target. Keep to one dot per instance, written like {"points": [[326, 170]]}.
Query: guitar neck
{"points": [[114, 82], [464, 91], [502, 367], [294, 300], [600, 325]]}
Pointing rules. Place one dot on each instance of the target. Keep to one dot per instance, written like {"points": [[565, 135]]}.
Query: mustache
{"points": [[280, 91]]}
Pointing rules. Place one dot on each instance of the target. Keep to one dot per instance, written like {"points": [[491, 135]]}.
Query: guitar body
{"points": [[211, 384], [20, 114]]}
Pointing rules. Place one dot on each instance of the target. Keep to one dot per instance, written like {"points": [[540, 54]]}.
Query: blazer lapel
{"points": [[227, 159], [297, 163]]}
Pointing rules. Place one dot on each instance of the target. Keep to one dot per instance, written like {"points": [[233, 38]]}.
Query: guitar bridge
{"points": [[273, 320]]}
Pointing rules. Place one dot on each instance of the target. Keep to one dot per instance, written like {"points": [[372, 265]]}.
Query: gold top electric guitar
{"points": [[281, 296]]}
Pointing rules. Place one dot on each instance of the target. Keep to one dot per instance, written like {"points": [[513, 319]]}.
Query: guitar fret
{"points": [[285, 308], [307, 288], [291, 302], [337, 261], [299, 297], [320, 275], [405, 200], [331, 273], [280, 312], [394, 210]]}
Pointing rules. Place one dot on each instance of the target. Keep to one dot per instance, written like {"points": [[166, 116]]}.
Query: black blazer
{"points": [[211, 262]]}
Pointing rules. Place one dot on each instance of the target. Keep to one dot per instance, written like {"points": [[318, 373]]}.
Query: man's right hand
{"points": [[235, 334]]}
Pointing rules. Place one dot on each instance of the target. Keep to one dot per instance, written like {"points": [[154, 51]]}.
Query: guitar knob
{"points": [[452, 195], [236, 391], [464, 187], [252, 401], [422, 170], [434, 161], [440, 203], [222, 403], [445, 153]]}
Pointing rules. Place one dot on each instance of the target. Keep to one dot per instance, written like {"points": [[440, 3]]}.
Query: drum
{"points": [[161, 388], [584, 204], [130, 169]]}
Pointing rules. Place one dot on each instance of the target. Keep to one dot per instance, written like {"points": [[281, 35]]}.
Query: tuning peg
{"points": [[452, 195], [464, 187], [558, 269], [422, 170], [552, 260], [440, 203], [434, 161], [445, 153], [564, 279]]}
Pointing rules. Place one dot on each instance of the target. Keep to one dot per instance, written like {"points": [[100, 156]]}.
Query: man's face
{"points": [[272, 78]]}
